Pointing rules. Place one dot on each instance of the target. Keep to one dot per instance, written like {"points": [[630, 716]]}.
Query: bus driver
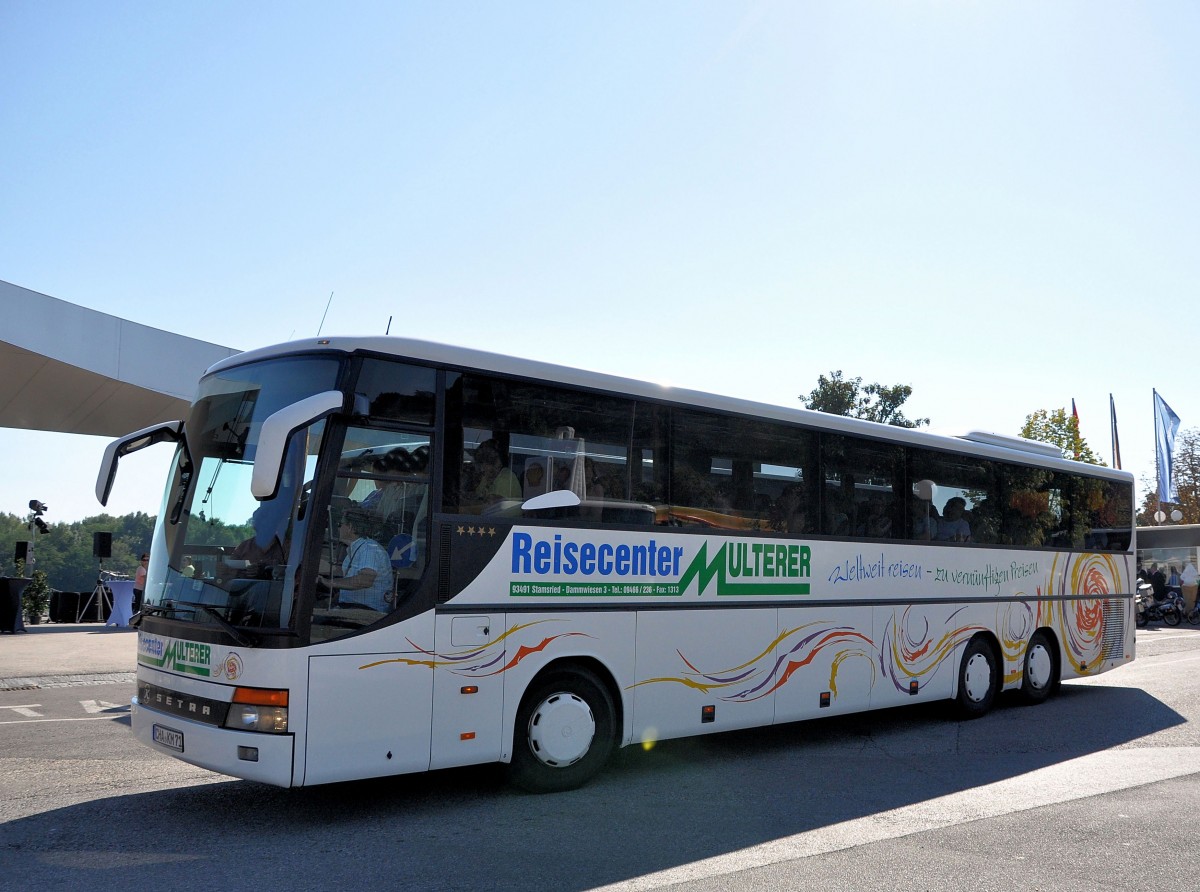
{"points": [[366, 569]]}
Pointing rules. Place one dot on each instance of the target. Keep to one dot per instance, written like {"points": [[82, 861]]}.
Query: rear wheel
{"points": [[1172, 616], [1040, 676], [565, 732], [978, 679]]}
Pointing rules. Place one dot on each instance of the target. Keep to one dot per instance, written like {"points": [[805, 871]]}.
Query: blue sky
{"points": [[992, 202]]}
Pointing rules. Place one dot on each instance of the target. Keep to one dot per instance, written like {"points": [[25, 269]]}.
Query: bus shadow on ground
{"points": [[654, 809]]}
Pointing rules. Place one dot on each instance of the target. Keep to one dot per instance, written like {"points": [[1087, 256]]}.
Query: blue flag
{"points": [[1166, 425]]}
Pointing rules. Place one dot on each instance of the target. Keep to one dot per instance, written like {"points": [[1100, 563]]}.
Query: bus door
{"points": [[468, 688], [371, 692], [368, 714]]}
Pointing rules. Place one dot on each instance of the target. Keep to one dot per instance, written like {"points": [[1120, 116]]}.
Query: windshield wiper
{"points": [[234, 632], [150, 610]]}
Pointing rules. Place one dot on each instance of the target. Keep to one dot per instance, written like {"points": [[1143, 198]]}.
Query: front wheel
{"points": [[1040, 676], [978, 679], [1194, 616], [1172, 616], [565, 732]]}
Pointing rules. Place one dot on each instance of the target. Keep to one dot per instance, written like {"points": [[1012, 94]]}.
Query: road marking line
{"points": [[90, 718], [94, 706], [29, 709], [1171, 637]]}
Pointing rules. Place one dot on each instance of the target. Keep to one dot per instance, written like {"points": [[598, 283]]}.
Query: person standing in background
{"points": [[1189, 577], [139, 581]]}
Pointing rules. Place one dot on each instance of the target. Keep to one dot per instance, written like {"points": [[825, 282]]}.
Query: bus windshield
{"points": [[232, 560]]}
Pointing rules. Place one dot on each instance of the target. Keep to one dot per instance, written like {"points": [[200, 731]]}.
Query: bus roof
{"points": [[981, 443]]}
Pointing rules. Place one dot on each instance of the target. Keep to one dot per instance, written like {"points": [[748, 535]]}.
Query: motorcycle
{"points": [[1170, 609]]}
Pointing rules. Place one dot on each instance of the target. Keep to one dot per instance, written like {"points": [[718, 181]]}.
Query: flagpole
{"points": [[1157, 468], [1075, 415], [1116, 442]]}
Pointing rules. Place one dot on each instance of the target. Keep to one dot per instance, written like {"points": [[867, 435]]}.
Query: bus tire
{"points": [[1039, 677], [565, 732], [978, 679]]}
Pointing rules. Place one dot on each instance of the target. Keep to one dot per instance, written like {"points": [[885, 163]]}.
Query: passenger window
{"points": [[1101, 515], [517, 441], [861, 496], [736, 473], [1037, 511], [961, 505]]}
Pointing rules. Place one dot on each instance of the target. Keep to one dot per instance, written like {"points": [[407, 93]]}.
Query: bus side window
{"points": [[741, 473], [862, 496], [965, 503], [513, 440]]}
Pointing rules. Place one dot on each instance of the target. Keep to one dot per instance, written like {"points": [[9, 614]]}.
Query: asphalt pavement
{"points": [[67, 653]]}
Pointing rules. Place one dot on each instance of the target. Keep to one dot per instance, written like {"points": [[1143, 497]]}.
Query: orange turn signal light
{"points": [[260, 696]]}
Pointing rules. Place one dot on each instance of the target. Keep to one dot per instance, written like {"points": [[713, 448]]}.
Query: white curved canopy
{"points": [[70, 369]]}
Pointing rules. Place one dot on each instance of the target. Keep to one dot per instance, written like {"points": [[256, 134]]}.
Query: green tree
{"points": [[1059, 428], [874, 402], [65, 554]]}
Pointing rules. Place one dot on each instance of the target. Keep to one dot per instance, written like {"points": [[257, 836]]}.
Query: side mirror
{"points": [[117, 449], [275, 432]]}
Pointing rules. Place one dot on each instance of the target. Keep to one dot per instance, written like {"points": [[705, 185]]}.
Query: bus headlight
{"points": [[248, 717], [258, 709]]}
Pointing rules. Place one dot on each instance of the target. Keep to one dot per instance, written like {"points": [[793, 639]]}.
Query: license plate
{"points": [[168, 737]]}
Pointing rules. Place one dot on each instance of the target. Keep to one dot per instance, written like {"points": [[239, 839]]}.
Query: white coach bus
{"points": [[377, 556]]}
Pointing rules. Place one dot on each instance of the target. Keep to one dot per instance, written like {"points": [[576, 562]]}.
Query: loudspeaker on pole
{"points": [[22, 552], [101, 545]]}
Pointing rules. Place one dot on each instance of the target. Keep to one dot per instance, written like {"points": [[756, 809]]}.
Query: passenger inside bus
{"points": [[840, 506], [877, 524], [953, 527], [490, 478], [924, 520], [790, 511], [534, 478], [562, 476], [380, 466]]}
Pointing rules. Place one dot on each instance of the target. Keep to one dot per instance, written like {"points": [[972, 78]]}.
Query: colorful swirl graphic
{"points": [[481, 662], [909, 654], [763, 674], [1082, 632]]}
